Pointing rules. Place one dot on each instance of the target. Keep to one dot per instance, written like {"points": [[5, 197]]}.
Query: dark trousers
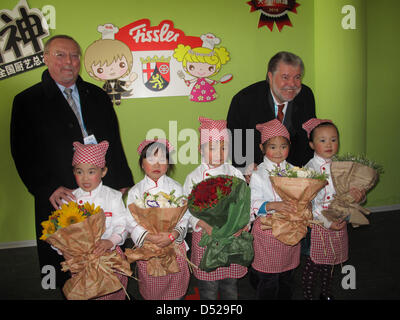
{"points": [[227, 289], [272, 286]]}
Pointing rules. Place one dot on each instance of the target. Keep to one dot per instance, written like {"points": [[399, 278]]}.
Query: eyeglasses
{"points": [[63, 55]]}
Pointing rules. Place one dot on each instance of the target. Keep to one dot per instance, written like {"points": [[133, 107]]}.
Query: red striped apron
{"points": [[169, 287], [234, 271], [270, 254]]}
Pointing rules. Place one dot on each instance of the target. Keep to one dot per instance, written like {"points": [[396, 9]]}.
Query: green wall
{"points": [[336, 62], [383, 97]]}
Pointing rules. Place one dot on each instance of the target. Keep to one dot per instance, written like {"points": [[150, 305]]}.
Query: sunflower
{"points": [[89, 208], [70, 214], [48, 229]]}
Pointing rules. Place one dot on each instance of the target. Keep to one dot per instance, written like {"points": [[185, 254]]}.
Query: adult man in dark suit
{"points": [[261, 102], [44, 126]]}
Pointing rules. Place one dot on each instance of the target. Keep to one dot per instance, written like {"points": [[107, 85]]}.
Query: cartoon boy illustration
{"points": [[109, 60], [202, 63]]}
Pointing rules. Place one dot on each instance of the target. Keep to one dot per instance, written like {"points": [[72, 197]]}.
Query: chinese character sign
{"points": [[21, 34]]}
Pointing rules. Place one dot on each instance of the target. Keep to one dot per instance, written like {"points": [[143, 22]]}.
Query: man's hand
{"points": [[248, 171], [60, 195]]}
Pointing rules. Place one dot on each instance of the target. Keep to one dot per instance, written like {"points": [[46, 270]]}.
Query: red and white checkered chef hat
{"points": [[273, 128], [90, 153], [312, 123], [145, 143], [213, 130]]}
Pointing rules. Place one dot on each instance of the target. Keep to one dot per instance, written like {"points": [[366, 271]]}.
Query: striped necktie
{"points": [[280, 115], [74, 107]]}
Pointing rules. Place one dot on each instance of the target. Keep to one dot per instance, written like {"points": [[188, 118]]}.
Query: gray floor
{"points": [[374, 254]]}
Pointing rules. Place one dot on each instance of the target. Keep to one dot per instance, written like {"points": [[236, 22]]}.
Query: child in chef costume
{"points": [[327, 244], [89, 168], [274, 262], [214, 143], [154, 161]]}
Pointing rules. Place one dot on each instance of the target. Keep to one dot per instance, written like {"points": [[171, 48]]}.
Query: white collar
{"points": [[209, 167], [276, 102], [157, 183], [92, 193], [321, 160], [271, 165]]}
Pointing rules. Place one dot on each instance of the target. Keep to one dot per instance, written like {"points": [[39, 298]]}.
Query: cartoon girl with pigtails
{"points": [[201, 63]]}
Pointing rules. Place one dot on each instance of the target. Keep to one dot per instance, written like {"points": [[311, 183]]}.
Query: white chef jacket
{"points": [[110, 200], [325, 195], [164, 184], [261, 186], [202, 172]]}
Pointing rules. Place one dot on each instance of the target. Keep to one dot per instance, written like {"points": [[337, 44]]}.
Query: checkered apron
{"points": [[270, 254], [120, 294], [329, 246], [169, 287], [234, 271]]}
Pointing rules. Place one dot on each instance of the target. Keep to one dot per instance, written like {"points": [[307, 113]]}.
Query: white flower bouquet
{"points": [[351, 171], [298, 185], [157, 213], [160, 200]]}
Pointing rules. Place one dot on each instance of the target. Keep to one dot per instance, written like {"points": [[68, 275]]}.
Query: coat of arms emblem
{"points": [[156, 72]]}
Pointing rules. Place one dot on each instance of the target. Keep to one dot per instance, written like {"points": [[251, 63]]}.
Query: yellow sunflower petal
{"points": [[70, 214]]}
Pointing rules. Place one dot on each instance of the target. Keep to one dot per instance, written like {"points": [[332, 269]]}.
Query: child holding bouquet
{"points": [[214, 146], [154, 161], [325, 245], [274, 261], [89, 168]]}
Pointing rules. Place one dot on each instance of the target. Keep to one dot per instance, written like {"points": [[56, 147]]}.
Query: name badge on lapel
{"points": [[90, 139]]}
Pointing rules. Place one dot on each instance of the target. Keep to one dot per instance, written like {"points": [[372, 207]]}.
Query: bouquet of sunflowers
{"points": [[298, 185], [69, 214], [157, 213], [74, 230]]}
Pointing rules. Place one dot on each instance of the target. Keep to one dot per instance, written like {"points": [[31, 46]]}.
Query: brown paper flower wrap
{"points": [[288, 227], [346, 175], [161, 261], [93, 275]]}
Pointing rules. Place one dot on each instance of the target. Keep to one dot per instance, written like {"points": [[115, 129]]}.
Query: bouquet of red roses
{"points": [[224, 203]]}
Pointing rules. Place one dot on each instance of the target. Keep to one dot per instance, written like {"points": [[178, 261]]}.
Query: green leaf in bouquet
{"points": [[360, 158]]}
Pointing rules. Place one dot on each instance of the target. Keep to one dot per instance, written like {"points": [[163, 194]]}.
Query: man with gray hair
{"points": [[281, 96], [46, 119]]}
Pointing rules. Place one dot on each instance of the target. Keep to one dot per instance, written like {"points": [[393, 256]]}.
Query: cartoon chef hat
{"points": [[209, 40], [108, 31], [312, 123], [213, 130], [145, 143], [273, 128], [90, 153]]}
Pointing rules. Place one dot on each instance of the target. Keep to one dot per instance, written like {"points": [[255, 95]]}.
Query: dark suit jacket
{"points": [[43, 128], [253, 105]]}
